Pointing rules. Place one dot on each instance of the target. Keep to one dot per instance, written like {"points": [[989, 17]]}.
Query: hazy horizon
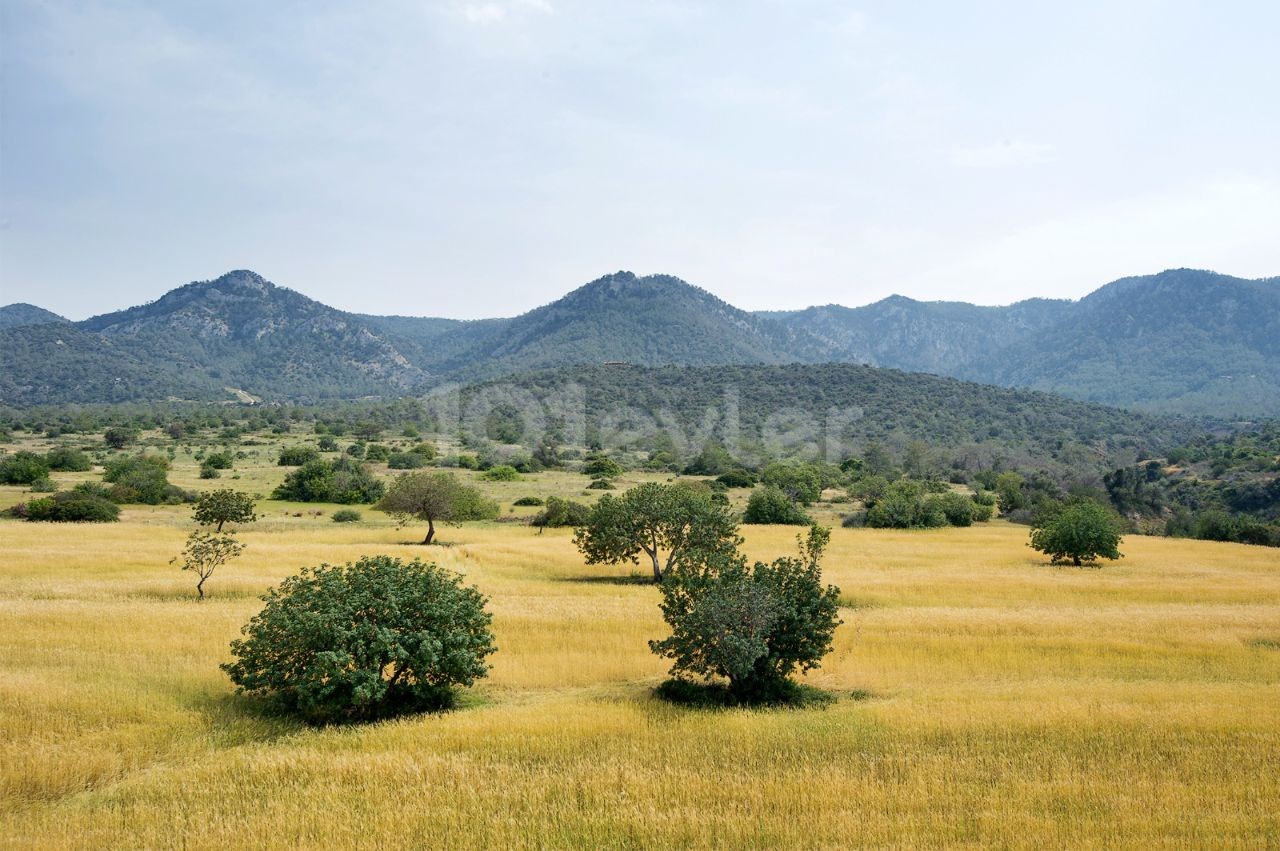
{"points": [[483, 157]]}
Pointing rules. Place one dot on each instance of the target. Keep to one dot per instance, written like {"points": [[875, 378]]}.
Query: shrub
{"points": [[528, 500], [346, 515], [801, 483], [377, 453], [118, 437], [367, 640], [43, 485], [501, 473], [220, 460], [406, 461], [958, 509], [752, 625], [207, 472], [297, 456], [560, 513], [343, 480], [22, 468], [68, 459], [770, 505], [356, 450], [600, 485], [70, 507], [327, 444], [1080, 531], [738, 478], [601, 467], [143, 479], [903, 506]]}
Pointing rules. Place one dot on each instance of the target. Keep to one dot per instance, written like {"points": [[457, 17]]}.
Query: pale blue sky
{"points": [[481, 157]]}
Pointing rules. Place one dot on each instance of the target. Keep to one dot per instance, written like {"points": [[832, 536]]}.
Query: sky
{"points": [[482, 157]]}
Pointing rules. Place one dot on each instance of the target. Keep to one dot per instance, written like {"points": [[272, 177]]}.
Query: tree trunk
{"points": [[657, 569], [431, 532], [220, 522], [200, 588]]}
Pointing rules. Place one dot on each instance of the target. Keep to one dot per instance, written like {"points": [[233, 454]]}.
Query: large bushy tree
{"points": [[666, 523], [366, 640], [1080, 531], [753, 625]]}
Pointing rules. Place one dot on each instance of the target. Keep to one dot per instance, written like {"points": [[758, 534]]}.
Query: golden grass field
{"points": [[985, 699]]}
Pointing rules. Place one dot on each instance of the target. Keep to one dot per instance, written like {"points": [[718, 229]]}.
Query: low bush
{"points": [[528, 500], [769, 505], [367, 640], [501, 473], [346, 515], [69, 507]]}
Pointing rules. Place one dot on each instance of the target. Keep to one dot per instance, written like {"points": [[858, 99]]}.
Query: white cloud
{"points": [[1010, 152], [483, 13]]}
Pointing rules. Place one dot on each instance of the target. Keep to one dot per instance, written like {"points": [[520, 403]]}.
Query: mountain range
{"points": [[1181, 341]]}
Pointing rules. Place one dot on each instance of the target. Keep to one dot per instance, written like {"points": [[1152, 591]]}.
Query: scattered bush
{"points": [[296, 456], [343, 480], [118, 437], [207, 472], [220, 460], [43, 485], [802, 483], [142, 479], [737, 478], [601, 467], [327, 444], [377, 453], [501, 473], [903, 506], [68, 459], [600, 485], [368, 640], [406, 461], [346, 515], [528, 500], [69, 507], [435, 498], [22, 468], [769, 505], [560, 513]]}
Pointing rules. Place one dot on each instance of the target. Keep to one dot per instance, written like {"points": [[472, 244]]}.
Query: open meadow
{"points": [[984, 698]]}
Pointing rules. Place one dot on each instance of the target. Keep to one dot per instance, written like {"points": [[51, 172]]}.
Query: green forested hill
{"points": [[21, 314], [853, 405]]}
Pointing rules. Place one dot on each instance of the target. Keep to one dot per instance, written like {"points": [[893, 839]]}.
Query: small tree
{"points": [[118, 437], [1081, 531], [667, 523], [22, 468], [753, 626], [559, 513], [366, 640], [601, 467], [801, 483], [214, 508], [435, 498], [205, 552]]}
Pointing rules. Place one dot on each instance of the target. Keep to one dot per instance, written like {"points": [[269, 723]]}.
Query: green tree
{"points": [[367, 640], [69, 507], [752, 625], [1081, 531], [205, 552], [68, 459], [435, 498], [801, 483], [215, 508], [296, 456], [666, 523], [769, 505], [118, 437], [904, 506], [601, 467]]}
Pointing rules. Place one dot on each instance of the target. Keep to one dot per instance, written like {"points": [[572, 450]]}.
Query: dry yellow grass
{"points": [[986, 699]]}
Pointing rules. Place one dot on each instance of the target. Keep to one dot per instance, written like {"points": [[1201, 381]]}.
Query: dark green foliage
{"points": [[43, 485], [560, 513], [141, 479], [207, 472], [435, 498], [713, 460], [371, 639], [905, 506], [346, 515], [769, 505], [801, 483], [377, 453], [216, 508], [501, 473], [601, 467], [68, 459], [327, 444], [343, 480], [958, 509], [528, 501], [737, 478], [69, 507], [296, 456], [219, 460], [22, 468], [666, 523], [1079, 532], [600, 485], [406, 461], [751, 625], [118, 437]]}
